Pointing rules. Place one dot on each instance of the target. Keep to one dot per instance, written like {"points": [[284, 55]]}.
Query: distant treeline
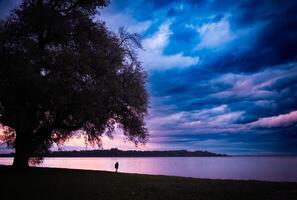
{"points": [[132, 153]]}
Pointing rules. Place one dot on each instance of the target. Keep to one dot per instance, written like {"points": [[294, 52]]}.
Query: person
{"points": [[116, 166]]}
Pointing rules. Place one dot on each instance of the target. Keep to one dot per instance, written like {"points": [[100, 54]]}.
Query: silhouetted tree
{"points": [[62, 71]]}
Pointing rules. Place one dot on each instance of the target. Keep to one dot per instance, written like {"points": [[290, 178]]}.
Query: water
{"points": [[237, 168]]}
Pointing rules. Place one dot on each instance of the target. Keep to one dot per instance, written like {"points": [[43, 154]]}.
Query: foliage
{"points": [[62, 71]]}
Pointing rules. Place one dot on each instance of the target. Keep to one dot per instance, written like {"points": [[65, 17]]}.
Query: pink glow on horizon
{"points": [[118, 141]]}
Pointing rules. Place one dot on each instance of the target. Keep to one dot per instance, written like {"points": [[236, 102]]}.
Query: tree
{"points": [[61, 72]]}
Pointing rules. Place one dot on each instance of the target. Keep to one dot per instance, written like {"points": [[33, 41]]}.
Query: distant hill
{"points": [[131, 153]]}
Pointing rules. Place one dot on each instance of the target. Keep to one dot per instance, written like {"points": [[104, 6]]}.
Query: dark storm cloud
{"points": [[264, 93], [275, 41], [270, 25]]}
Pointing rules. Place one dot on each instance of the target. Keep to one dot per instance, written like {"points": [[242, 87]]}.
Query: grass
{"points": [[55, 184]]}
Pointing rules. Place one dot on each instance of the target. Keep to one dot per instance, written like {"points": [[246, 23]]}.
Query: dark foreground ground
{"points": [[64, 184]]}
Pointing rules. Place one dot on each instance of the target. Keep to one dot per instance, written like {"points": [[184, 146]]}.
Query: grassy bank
{"points": [[55, 184]]}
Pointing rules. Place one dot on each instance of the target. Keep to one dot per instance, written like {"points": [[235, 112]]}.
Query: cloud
{"points": [[248, 34], [116, 20], [283, 120], [271, 40], [159, 40], [215, 34], [264, 85], [211, 120], [158, 121], [154, 44], [188, 108], [219, 117], [153, 56]]}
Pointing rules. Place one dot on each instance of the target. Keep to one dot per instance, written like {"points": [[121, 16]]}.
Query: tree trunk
{"points": [[23, 141], [22, 155], [20, 161]]}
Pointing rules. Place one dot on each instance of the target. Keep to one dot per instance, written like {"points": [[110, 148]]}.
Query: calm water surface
{"points": [[239, 168]]}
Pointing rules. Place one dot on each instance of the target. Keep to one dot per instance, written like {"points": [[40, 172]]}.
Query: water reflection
{"points": [[255, 168]]}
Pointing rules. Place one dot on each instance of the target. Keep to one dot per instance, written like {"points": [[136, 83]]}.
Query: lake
{"points": [[237, 168]]}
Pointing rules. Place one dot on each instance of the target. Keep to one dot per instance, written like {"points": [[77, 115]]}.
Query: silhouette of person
{"points": [[116, 166]]}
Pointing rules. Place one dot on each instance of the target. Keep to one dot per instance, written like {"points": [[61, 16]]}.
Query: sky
{"points": [[222, 75]]}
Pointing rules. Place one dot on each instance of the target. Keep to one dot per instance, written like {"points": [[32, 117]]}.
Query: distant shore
{"points": [[55, 184], [131, 153]]}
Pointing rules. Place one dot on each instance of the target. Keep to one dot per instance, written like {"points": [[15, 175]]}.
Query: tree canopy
{"points": [[62, 71]]}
